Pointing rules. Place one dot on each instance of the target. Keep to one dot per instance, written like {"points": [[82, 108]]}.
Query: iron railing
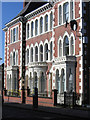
{"points": [[14, 93]]}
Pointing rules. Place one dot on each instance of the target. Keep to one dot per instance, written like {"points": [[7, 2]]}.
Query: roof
{"points": [[31, 6]]}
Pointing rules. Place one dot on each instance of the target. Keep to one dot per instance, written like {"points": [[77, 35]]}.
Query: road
{"points": [[13, 113]]}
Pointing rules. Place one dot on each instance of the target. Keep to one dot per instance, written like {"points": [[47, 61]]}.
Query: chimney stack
{"points": [[24, 3]]}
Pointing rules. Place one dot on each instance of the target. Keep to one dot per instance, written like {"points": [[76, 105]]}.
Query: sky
{"points": [[8, 10]]}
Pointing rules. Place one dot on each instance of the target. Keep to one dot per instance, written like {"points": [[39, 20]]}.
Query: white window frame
{"points": [[51, 20], [36, 27], [59, 15], [36, 54], [46, 22], [41, 25], [72, 11], [41, 53], [65, 46], [27, 31], [32, 28], [65, 13], [14, 61], [16, 57]]}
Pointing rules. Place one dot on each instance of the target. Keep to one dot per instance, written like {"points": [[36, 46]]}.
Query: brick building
{"points": [[47, 46]]}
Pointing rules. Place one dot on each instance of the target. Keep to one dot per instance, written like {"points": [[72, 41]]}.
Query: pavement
{"points": [[85, 114]]}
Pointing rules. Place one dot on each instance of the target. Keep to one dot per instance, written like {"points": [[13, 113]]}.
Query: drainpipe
{"points": [[23, 69]]}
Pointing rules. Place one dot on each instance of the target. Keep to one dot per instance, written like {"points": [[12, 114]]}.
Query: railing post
{"points": [[73, 100], [28, 91], [35, 98], [5, 92], [23, 95], [55, 97], [64, 99]]}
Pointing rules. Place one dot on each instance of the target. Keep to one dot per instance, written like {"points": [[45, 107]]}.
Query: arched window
{"points": [[62, 80], [13, 58], [41, 53], [36, 53], [46, 51], [11, 36], [10, 83], [51, 51], [14, 34], [32, 28], [66, 46], [15, 82], [60, 15], [66, 12], [70, 81], [51, 20], [36, 27], [60, 48], [42, 83], [31, 82], [28, 30], [16, 58], [41, 25], [31, 54], [46, 23], [36, 80], [72, 46], [27, 56], [57, 81]]}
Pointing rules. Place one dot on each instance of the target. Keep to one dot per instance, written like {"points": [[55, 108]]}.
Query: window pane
{"points": [[41, 25], [27, 56], [32, 29], [66, 46], [28, 31], [46, 51], [60, 15], [72, 46], [66, 12], [36, 27], [14, 35], [51, 51], [51, 20], [14, 58], [60, 48], [31, 54], [46, 23], [36, 53], [57, 81], [11, 36], [11, 59], [17, 33], [41, 53], [71, 9], [42, 83]]}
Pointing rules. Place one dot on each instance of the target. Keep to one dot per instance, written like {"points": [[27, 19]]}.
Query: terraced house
{"points": [[47, 46]]}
